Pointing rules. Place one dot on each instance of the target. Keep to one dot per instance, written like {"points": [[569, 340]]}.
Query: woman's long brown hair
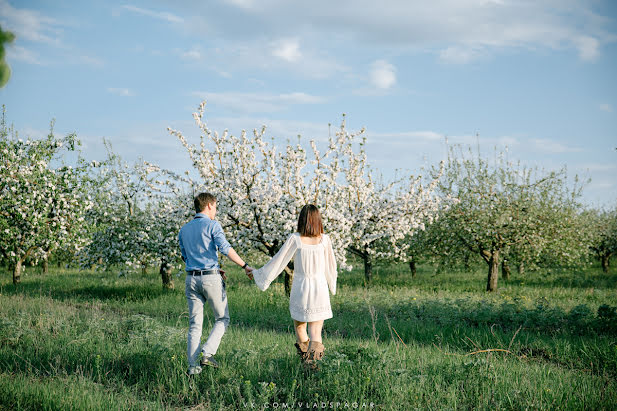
{"points": [[309, 221]]}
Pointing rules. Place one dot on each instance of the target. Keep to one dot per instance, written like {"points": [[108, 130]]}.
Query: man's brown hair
{"points": [[309, 221], [202, 200]]}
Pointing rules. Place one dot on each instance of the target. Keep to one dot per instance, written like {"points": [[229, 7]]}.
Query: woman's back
{"points": [[310, 256]]}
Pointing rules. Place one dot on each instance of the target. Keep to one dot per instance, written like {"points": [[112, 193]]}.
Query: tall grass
{"points": [[91, 340]]}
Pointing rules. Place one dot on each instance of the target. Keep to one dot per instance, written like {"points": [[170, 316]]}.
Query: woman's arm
{"points": [[330, 265], [265, 275]]}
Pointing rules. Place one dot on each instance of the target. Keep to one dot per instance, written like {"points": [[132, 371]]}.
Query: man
{"points": [[205, 281]]}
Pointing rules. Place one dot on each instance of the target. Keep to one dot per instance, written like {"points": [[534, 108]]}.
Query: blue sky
{"points": [[535, 76]]}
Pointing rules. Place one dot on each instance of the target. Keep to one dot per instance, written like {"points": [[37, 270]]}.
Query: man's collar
{"points": [[202, 215]]}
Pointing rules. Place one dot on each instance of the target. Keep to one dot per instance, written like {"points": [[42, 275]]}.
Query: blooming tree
{"points": [[142, 210], [169, 208], [261, 190], [120, 220], [378, 216], [432, 243], [603, 243], [42, 206], [505, 207]]}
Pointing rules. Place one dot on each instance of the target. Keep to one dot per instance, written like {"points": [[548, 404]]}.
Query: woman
{"points": [[314, 273]]}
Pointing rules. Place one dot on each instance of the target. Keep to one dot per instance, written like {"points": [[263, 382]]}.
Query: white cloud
{"points": [[22, 54], [33, 133], [30, 25], [260, 56], [287, 49], [244, 4], [41, 32], [606, 107], [124, 92], [554, 147], [508, 141], [408, 135], [599, 167], [88, 60], [587, 47], [601, 185], [253, 103], [458, 30], [194, 53], [422, 140], [382, 75], [459, 54], [169, 17]]}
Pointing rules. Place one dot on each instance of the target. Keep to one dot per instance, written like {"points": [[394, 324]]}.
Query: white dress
{"points": [[314, 273]]}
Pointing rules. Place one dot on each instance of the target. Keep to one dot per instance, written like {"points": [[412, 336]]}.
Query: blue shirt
{"points": [[199, 240]]}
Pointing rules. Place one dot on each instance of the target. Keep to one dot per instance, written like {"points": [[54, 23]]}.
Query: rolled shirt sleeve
{"points": [[219, 239]]}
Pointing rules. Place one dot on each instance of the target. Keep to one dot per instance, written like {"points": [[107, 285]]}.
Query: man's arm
{"points": [[182, 251], [224, 247]]}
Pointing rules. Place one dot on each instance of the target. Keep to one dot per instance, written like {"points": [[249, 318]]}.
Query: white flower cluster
{"points": [[42, 208], [137, 218], [261, 189]]}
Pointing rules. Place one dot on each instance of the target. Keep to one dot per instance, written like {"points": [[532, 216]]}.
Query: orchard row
{"points": [[114, 214]]}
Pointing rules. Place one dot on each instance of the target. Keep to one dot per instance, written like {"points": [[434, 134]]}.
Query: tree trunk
{"points": [[412, 267], [166, 277], [143, 269], [605, 262], [368, 269], [17, 272], [289, 276], [505, 269], [45, 265], [521, 268], [493, 272]]}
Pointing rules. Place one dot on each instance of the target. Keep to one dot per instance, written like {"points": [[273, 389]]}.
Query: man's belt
{"points": [[203, 272]]}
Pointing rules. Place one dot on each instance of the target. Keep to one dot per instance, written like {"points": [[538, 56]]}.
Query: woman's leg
{"points": [[300, 329], [314, 330], [315, 349]]}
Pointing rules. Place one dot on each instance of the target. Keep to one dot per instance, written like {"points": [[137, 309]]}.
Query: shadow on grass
{"points": [[359, 320], [65, 287], [559, 279], [538, 334], [426, 322], [397, 275]]}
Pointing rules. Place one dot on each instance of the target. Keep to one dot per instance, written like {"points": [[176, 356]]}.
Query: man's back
{"points": [[199, 241]]}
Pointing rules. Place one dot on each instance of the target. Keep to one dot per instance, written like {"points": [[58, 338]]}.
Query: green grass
{"points": [[91, 340]]}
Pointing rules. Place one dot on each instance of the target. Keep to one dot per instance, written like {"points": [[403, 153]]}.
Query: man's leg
{"points": [[217, 298], [196, 317]]}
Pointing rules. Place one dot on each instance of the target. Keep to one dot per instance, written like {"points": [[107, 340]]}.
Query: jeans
{"points": [[198, 290]]}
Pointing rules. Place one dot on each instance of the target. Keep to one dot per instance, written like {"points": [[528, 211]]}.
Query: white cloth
{"points": [[314, 273]]}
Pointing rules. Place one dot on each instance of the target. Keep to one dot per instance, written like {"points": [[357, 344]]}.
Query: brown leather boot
{"points": [[314, 354], [302, 348]]}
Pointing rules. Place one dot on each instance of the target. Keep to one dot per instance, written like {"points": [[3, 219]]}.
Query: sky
{"points": [[536, 78]]}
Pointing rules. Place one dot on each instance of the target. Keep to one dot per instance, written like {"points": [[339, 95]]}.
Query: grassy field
{"points": [[92, 340]]}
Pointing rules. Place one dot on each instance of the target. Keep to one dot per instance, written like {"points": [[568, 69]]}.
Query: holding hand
{"points": [[249, 271]]}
